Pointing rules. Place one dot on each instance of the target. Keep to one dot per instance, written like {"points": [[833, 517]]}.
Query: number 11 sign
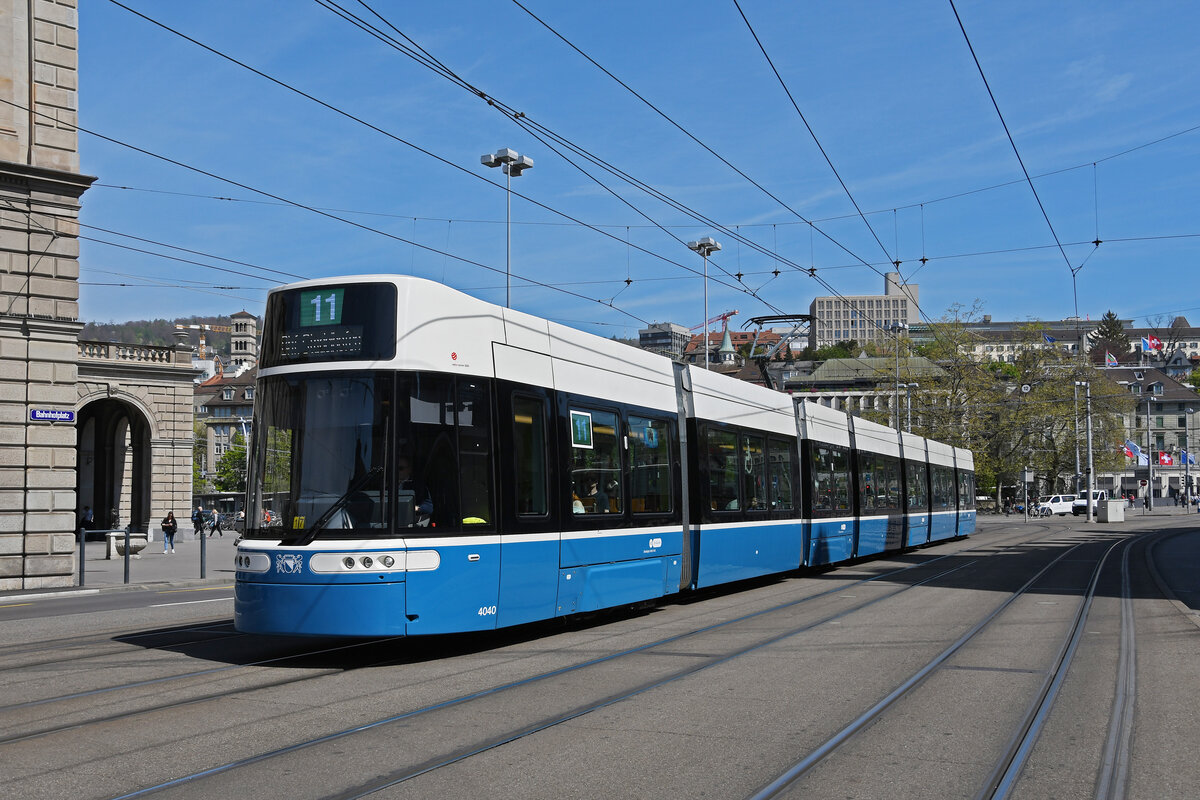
{"points": [[321, 307]]}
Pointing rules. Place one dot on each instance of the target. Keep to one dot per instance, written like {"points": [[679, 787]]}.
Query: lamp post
{"points": [[513, 164], [705, 246], [1187, 460], [1091, 476], [896, 329]]}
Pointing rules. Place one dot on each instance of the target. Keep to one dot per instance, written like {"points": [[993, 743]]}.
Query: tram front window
{"points": [[320, 457]]}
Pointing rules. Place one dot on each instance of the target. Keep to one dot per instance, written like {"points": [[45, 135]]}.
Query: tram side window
{"points": [[942, 483], [780, 474], [887, 488], [595, 462], [754, 472], [868, 482], [529, 439], [444, 454], [917, 479], [428, 472], [720, 448], [649, 465], [473, 416], [831, 480], [966, 490]]}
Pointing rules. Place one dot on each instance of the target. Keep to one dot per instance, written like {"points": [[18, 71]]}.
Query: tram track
{"points": [[1008, 769], [703, 658], [126, 687]]}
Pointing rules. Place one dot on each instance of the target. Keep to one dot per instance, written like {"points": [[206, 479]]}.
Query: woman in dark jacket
{"points": [[169, 526]]}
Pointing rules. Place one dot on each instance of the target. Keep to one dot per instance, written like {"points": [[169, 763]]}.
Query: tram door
{"points": [[453, 566], [454, 585]]}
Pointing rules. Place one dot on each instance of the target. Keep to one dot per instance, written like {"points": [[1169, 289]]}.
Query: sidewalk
{"points": [[153, 566]]}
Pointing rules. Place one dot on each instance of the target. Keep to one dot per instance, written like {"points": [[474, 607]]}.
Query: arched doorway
{"points": [[114, 475]]}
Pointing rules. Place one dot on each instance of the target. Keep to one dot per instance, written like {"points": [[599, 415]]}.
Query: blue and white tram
{"points": [[424, 462]]}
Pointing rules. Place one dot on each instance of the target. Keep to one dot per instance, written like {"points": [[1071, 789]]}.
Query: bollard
{"points": [[203, 553], [82, 553], [127, 549]]}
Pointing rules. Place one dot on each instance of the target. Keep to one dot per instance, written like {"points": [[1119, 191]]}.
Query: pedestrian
{"points": [[216, 525], [86, 521], [198, 522], [169, 526]]}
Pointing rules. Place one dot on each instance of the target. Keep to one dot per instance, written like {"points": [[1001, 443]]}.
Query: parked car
{"points": [[1080, 504], [1054, 504]]}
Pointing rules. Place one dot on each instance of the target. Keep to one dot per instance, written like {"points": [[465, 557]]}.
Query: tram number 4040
{"points": [[487, 611]]}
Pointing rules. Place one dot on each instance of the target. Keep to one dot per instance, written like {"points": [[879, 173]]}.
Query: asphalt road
{"points": [[149, 687]]}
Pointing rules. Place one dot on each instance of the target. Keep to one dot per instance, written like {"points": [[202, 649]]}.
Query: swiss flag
{"points": [[1165, 459], [1155, 343], [1128, 452]]}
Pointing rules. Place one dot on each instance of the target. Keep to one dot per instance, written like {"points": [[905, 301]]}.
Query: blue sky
{"points": [[890, 91]]}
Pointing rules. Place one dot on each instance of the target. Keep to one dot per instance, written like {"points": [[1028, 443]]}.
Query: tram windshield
{"points": [[320, 453]]}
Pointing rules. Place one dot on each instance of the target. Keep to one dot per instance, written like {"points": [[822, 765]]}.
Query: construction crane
{"points": [[202, 328], [722, 318]]}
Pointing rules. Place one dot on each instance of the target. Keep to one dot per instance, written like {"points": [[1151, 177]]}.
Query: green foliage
{"points": [[1110, 337], [159, 332], [983, 407], [200, 484], [1193, 379], [230, 472]]}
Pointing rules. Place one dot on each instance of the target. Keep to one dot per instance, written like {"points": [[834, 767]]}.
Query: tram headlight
{"points": [[387, 561], [348, 562], [367, 561]]}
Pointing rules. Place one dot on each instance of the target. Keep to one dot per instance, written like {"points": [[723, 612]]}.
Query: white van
{"points": [[1080, 504], [1054, 504]]}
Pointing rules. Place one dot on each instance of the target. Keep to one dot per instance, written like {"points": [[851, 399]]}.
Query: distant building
{"points": [[225, 406], [864, 318], [243, 340], [665, 338]]}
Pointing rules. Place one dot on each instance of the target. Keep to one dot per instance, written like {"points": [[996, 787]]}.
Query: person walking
{"points": [[198, 522], [169, 526], [216, 525]]}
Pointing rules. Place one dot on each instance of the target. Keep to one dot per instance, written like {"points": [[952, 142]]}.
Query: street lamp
{"points": [[1091, 476], [705, 247], [1187, 459], [896, 328], [513, 164]]}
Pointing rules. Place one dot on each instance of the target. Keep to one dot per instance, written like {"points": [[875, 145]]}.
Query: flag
{"points": [[1049, 339], [1133, 451], [1127, 451], [1109, 359], [1186, 458], [1165, 459], [1151, 343]]}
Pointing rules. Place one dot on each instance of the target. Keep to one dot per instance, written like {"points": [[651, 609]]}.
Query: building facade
{"points": [[224, 406], [864, 318], [40, 187]]}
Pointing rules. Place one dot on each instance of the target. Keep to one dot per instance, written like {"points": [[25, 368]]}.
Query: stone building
{"points": [[40, 187], [101, 424], [864, 318]]}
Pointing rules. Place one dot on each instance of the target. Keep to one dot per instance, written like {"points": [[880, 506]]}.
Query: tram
{"points": [[424, 462]]}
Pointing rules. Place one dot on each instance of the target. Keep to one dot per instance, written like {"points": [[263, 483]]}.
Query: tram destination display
{"points": [[351, 322]]}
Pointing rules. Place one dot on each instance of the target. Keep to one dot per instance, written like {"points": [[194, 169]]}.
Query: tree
{"points": [[230, 472], [1109, 337], [1019, 413], [200, 483]]}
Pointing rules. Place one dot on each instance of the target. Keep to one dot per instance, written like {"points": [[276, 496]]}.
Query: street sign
{"points": [[51, 415]]}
